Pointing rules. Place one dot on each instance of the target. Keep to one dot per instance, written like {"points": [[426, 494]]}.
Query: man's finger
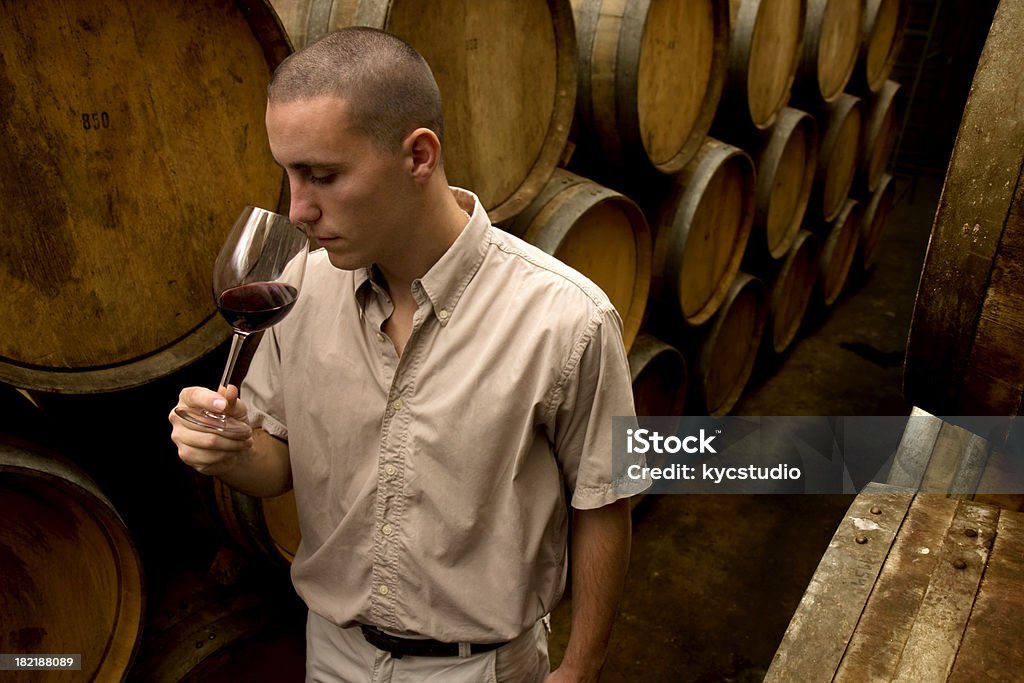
{"points": [[201, 397]]}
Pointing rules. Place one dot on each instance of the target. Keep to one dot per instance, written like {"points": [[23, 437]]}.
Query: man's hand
{"points": [[563, 675], [205, 451]]}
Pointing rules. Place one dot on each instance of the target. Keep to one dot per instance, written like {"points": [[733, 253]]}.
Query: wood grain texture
{"points": [[827, 616], [927, 589], [876, 218], [650, 78], [881, 118], [832, 38], [839, 250], [786, 162], [841, 124], [963, 354], [764, 51], [940, 621], [791, 288], [659, 376], [702, 227], [71, 579], [883, 628], [883, 29], [727, 346], [132, 136], [992, 649]]}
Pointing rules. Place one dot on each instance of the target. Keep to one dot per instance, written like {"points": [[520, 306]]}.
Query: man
{"points": [[434, 391]]}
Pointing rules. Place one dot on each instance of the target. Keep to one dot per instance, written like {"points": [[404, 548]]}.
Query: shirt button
{"points": [[390, 470], [396, 405], [443, 314], [386, 529], [380, 337], [383, 590]]}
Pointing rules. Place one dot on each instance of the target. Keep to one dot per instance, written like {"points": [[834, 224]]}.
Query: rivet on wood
{"points": [[876, 510], [861, 538], [959, 563]]}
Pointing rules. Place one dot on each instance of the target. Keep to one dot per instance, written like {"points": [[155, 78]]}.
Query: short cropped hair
{"points": [[386, 83]]}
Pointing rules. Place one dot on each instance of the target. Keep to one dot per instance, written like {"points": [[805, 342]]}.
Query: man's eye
{"points": [[321, 179]]}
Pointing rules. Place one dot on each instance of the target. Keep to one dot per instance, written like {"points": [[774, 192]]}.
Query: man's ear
{"points": [[423, 151]]}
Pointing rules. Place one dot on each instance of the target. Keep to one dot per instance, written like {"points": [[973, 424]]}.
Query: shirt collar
{"points": [[448, 278]]}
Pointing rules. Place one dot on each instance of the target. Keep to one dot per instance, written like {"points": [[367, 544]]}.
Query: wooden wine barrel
{"points": [[507, 74], [786, 163], [882, 32], [70, 578], [267, 528], [132, 135], [964, 352], [702, 227], [790, 290], [832, 38], [205, 633], [879, 135], [650, 78], [599, 232], [764, 50], [727, 348], [839, 249], [658, 372], [837, 157], [876, 216]]}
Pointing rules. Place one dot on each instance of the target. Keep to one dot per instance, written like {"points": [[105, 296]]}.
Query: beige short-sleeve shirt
{"points": [[430, 486]]}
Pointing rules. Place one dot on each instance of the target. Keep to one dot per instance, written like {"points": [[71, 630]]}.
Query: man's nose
{"points": [[303, 208]]}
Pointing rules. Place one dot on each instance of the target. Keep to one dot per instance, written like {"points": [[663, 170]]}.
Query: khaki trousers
{"points": [[342, 655]]}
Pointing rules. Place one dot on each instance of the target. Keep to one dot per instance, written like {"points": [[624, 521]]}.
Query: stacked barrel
{"points": [[714, 166], [132, 135], [755, 136]]}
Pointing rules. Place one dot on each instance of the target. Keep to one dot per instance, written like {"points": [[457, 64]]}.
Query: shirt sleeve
{"points": [[596, 387], [262, 391]]}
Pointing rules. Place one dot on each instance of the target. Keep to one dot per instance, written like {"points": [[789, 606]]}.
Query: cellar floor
{"points": [[714, 580]]}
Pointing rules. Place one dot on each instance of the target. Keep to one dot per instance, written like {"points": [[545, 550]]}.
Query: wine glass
{"points": [[256, 281]]}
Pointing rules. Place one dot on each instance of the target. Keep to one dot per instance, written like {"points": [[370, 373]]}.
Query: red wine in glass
{"points": [[256, 306], [256, 282]]}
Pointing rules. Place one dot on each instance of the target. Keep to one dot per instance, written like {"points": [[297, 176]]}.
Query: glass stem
{"points": [[237, 341]]}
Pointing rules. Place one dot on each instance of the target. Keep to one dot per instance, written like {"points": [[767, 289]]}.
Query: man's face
{"points": [[353, 197]]}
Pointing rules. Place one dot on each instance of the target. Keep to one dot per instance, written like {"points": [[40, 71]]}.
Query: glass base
{"points": [[215, 423]]}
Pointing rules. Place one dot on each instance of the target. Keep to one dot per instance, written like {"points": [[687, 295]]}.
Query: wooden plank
{"points": [[915, 449], [824, 622], [970, 469], [992, 648], [949, 446], [883, 630], [940, 623], [1002, 482]]}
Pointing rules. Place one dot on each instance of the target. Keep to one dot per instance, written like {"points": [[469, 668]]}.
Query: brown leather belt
{"points": [[419, 647]]}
